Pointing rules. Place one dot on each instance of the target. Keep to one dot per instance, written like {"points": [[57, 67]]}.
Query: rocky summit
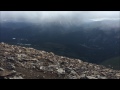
{"points": [[17, 62]]}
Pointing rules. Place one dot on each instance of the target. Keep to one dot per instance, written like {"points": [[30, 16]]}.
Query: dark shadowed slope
{"points": [[112, 63]]}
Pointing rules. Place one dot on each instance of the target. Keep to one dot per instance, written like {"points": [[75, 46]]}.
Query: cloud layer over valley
{"points": [[56, 16]]}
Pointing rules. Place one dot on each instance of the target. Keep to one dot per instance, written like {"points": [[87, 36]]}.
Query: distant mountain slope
{"points": [[112, 63], [18, 62], [89, 41]]}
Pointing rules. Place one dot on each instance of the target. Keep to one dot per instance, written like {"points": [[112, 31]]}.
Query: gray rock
{"points": [[79, 61], [42, 68], [21, 55], [90, 77], [13, 71], [11, 66], [95, 72], [72, 77], [101, 77], [67, 70], [1, 69], [82, 76], [52, 67], [11, 59], [118, 74], [73, 72], [60, 71], [16, 77]]}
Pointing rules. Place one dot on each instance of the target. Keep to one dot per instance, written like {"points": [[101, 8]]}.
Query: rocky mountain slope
{"points": [[18, 62], [86, 41]]}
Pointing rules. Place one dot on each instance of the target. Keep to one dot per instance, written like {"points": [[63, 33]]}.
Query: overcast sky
{"points": [[46, 16]]}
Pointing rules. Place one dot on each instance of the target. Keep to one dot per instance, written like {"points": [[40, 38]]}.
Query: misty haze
{"points": [[91, 36]]}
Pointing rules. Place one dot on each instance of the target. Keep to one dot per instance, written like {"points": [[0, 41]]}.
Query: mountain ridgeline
{"points": [[94, 42]]}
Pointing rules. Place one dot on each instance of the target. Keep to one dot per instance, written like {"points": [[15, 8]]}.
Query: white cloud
{"points": [[101, 19], [46, 16]]}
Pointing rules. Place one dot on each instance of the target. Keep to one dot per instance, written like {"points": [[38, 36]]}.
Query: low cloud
{"points": [[51, 16]]}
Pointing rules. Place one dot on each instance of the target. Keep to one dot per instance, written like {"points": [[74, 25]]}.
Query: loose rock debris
{"points": [[18, 62]]}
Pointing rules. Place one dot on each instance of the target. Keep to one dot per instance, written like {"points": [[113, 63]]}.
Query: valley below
{"points": [[91, 42], [59, 44]]}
